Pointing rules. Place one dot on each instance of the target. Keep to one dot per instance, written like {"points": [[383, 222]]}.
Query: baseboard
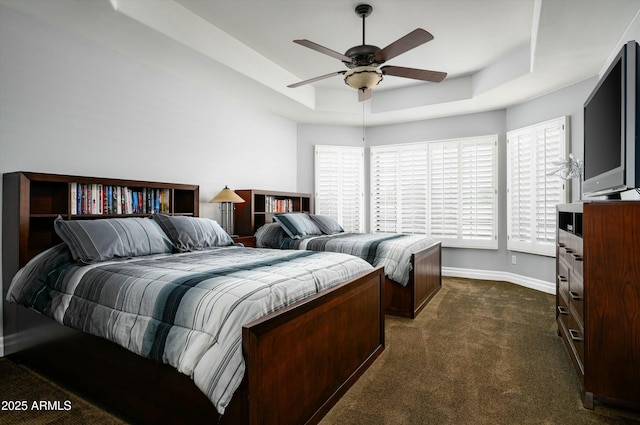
{"points": [[527, 282]]}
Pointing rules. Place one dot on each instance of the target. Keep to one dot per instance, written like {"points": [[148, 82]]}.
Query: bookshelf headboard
{"points": [[32, 201]]}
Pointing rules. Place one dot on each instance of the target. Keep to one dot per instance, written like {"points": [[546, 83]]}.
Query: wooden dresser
{"points": [[598, 297]]}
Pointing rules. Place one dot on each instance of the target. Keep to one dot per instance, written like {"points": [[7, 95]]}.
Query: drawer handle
{"points": [[562, 278], [575, 296], [561, 244], [562, 310], [575, 335], [577, 257]]}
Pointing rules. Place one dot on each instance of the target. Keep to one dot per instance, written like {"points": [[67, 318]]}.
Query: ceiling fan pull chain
{"points": [[364, 142]]}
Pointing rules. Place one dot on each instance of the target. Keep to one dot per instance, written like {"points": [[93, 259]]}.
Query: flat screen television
{"points": [[611, 144]]}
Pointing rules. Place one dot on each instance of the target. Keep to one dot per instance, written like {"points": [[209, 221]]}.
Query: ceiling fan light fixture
{"points": [[363, 60], [363, 77]]}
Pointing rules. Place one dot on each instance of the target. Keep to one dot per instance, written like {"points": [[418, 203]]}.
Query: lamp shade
{"points": [[227, 195], [363, 77]]}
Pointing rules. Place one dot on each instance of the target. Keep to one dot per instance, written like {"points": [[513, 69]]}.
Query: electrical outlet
{"points": [[513, 259]]}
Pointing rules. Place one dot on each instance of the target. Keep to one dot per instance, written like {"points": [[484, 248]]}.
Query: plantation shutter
{"points": [[520, 186], [339, 185], [399, 184], [479, 193], [446, 190], [444, 193], [532, 195], [384, 167], [463, 192], [550, 147], [413, 182]]}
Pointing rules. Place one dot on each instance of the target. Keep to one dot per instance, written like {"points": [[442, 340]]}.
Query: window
{"points": [[532, 194], [339, 185], [445, 189], [399, 189]]}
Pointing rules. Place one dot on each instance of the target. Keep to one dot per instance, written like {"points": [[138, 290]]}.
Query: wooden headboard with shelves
{"points": [[32, 201]]}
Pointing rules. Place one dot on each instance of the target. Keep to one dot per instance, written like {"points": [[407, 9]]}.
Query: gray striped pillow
{"points": [[92, 241], [297, 225], [193, 233], [270, 235], [327, 225]]}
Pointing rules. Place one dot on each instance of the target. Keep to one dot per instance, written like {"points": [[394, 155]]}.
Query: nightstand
{"points": [[248, 241]]}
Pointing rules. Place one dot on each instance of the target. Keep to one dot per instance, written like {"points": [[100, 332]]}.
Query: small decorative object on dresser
{"points": [[598, 297]]}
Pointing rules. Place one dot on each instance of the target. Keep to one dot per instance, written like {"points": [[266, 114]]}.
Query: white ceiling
{"points": [[496, 52]]}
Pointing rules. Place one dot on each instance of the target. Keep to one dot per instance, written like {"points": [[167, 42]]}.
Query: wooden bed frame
{"points": [[405, 301], [425, 280], [299, 360]]}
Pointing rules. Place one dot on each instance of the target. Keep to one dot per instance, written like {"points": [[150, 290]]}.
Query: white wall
{"points": [[69, 106], [459, 126], [310, 135]]}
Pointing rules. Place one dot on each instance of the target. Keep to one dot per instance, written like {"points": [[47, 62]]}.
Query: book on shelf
{"points": [[98, 199], [74, 197], [276, 205]]}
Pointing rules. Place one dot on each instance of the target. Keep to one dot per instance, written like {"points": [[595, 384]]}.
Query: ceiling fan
{"points": [[363, 60]]}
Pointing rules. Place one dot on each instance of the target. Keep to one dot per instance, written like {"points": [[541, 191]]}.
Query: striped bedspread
{"points": [[187, 309], [390, 250]]}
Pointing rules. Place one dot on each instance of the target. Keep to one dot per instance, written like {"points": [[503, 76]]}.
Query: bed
{"points": [[412, 263], [293, 352]]}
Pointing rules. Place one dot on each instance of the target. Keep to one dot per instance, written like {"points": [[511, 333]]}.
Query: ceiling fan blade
{"points": [[408, 42], [364, 94], [416, 74], [322, 49], [312, 80]]}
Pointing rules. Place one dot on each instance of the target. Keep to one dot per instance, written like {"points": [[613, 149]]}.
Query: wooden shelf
{"points": [[47, 196], [260, 206]]}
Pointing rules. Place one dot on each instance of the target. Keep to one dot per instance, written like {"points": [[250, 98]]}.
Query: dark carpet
{"points": [[481, 352], [27, 398]]}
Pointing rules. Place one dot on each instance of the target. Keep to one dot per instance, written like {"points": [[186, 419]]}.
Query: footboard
{"points": [[301, 360], [425, 280], [427, 275]]}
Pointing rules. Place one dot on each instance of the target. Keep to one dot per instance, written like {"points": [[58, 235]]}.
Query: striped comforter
{"points": [[187, 309], [392, 251]]}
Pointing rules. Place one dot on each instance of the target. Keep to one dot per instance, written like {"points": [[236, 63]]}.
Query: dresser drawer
{"points": [[563, 238], [563, 314], [563, 282], [578, 263], [566, 255], [576, 299], [572, 337], [575, 337]]}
